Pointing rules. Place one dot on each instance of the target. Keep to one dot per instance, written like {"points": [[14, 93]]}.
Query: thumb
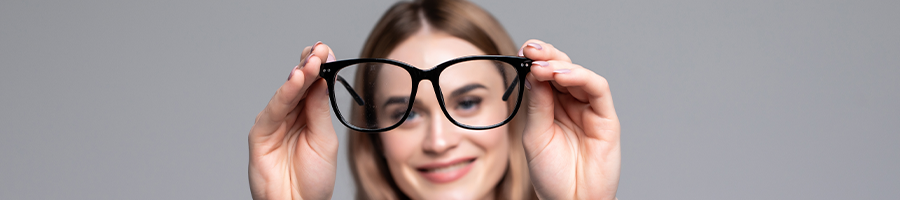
{"points": [[539, 118], [321, 132]]}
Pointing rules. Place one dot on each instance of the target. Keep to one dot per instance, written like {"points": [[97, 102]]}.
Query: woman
{"points": [[565, 145]]}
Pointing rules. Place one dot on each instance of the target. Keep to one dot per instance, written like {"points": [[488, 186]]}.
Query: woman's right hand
{"points": [[293, 147]]}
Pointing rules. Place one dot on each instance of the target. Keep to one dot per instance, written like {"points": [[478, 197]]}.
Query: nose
{"points": [[442, 136]]}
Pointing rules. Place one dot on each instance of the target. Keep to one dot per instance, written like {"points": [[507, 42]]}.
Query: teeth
{"points": [[448, 168]]}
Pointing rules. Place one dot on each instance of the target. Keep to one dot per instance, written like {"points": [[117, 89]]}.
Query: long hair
{"points": [[463, 20]]}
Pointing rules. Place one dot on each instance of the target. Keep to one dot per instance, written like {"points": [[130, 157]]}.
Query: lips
{"points": [[446, 172]]}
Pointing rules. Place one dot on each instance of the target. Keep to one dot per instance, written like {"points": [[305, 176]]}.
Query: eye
{"points": [[468, 103], [412, 115], [399, 114], [411, 121]]}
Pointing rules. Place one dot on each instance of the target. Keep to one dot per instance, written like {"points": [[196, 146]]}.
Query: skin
{"points": [[430, 137], [571, 138]]}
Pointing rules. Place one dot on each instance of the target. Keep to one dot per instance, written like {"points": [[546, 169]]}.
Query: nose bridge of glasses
{"points": [[438, 98], [431, 75]]}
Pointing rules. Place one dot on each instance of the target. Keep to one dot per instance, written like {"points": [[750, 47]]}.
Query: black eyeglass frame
{"points": [[329, 70]]}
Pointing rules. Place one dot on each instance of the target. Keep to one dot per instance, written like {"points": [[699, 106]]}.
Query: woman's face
{"points": [[428, 156]]}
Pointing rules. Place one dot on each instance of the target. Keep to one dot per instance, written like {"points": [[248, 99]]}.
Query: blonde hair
{"points": [[461, 19]]}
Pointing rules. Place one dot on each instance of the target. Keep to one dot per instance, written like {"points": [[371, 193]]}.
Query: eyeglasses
{"points": [[377, 95]]}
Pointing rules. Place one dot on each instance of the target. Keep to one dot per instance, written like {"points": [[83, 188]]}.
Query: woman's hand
{"points": [[571, 136], [293, 147]]}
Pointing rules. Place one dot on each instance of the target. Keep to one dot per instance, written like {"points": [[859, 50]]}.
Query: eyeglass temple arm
{"points": [[356, 97], [510, 89]]}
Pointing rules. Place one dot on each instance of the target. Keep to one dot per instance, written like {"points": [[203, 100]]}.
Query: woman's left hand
{"points": [[571, 135]]}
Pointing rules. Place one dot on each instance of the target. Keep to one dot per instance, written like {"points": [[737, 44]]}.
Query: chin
{"points": [[455, 193]]}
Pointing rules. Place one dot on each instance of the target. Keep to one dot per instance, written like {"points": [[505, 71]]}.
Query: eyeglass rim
{"points": [[329, 70]]}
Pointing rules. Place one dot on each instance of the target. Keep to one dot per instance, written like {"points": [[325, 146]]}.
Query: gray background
{"points": [[718, 100]]}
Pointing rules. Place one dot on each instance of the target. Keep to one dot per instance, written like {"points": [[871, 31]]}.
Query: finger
{"points": [[539, 115], [545, 70], [309, 68], [318, 54], [330, 57], [580, 82], [307, 50], [587, 86], [594, 87], [293, 90], [321, 133], [539, 50]]}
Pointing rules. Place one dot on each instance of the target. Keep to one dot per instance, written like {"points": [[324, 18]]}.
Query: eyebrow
{"points": [[466, 89], [457, 92], [396, 100]]}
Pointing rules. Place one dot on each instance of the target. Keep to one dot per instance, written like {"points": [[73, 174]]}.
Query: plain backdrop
{"points": [[717, 99]]}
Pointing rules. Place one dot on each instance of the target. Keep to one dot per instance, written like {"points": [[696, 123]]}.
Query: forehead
{"points": [[427, 49]]}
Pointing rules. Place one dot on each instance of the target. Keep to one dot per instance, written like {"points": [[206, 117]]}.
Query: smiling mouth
{"points": [[445, 173], [448, 168]]}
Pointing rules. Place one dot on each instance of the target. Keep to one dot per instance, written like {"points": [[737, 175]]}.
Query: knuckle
{"points": [[261, 113], [279, 95], [581, 67], [602, 82], [268, 111]]}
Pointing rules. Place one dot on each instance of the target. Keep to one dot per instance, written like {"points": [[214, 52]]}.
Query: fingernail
{"points": [[528, 84], [292, 72], [541, 63], [330, 58], [535, 45], [314, 46], [532, 45], [312, 50], [303, 64], [562, 71]]}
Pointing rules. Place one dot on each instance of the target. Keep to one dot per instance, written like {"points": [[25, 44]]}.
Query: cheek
{"points": [[496, 148], [492, 139], [398, 147]]}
